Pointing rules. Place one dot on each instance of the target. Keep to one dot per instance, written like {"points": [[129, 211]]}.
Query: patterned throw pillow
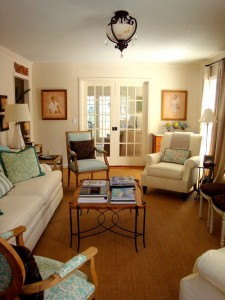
{"points": [[5, 185], [176, 156], [83, 149], [32, 272], [22, 165]]}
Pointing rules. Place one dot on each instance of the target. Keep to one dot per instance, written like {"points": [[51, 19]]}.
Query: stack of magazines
{"points": [[94, 191], [122, 190]]}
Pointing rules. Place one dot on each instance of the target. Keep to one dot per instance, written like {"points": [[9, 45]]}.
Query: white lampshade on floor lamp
{"points": [[207, 118], [17, 113]]}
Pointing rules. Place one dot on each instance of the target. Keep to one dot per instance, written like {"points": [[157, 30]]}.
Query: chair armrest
{"points": [[210, 265], [64, 271], [153, 158], [192, 162], [100, 151], [17, 233]]}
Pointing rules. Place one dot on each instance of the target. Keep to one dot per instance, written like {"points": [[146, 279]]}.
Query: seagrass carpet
{"points": [[175, 237]]}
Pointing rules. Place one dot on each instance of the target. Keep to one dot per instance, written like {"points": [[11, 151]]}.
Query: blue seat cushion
{"points": [[86, 165]]}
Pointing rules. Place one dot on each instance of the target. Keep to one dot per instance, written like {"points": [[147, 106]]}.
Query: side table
{"points": [[204, 178], [56, 162]]}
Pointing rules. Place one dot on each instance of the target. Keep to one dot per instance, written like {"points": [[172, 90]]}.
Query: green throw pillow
{"points": [[22, 165], [5, 185], [176, 156]]}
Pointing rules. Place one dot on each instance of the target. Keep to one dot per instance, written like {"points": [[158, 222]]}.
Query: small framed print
{"points": [[3, 102], [3, 125], [54, 104], [174, 105]]}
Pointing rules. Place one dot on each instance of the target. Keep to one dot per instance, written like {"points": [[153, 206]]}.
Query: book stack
{"points": [[122, 190], [94, 191], [122, 181]]}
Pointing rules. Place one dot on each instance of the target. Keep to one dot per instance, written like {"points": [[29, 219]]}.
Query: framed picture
{"points": [[54, 104], [174, 105], [3, 125], [3, 102]]}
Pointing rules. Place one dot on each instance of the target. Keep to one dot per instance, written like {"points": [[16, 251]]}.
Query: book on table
{"points": [[94, 194], [123, 195], [121, 181], [93, 183]]}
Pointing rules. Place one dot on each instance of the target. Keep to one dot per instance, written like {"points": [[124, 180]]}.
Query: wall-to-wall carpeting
{"points": [[175, 237]]}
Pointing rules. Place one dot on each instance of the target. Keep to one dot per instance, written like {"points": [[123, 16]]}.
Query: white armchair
{"points": [[174, 168], [207, 281]]}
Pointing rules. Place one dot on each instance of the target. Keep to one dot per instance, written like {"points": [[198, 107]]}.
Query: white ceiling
{"points": [[171, 31]]}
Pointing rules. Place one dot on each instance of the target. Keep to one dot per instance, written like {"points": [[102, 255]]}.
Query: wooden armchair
{"points": [[81, 155], [58, 280]]}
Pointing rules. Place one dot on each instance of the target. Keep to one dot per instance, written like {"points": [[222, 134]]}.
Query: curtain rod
{"points": [[215, 62]]}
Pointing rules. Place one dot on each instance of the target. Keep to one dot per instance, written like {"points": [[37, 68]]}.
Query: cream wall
{"points": [[51, 133]]}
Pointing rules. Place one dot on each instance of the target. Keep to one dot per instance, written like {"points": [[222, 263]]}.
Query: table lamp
{"points": [[207, 118], [17, 113]]}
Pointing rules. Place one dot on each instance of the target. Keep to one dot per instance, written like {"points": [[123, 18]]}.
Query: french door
{"points": [[116, 112]]}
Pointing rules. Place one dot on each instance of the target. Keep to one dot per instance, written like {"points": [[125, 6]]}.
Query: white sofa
{"points": [[32, 203], [168, 175], [208, 279]]}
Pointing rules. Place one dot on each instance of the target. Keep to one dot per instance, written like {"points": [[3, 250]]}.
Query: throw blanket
{"points": [[180, 140]]}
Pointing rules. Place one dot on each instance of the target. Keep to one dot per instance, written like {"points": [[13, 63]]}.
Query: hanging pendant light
{"points": [[121, 29]]}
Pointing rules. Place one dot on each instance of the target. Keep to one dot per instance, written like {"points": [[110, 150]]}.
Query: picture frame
{"points": [[54, 104], [3, 102], [3, 125], [174, 105]]}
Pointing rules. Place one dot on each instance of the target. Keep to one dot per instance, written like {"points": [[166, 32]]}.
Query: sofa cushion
{"points": [[42, 186], [19, 210], [22, 165], [5, 185], [176, 156], [83, 149], [165, 170]]}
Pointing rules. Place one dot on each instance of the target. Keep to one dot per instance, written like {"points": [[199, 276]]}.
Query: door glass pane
{"points": [[131, 120], [98, 115]]}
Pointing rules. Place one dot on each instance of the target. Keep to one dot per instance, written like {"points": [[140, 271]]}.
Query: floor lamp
{"points": [[17, 113], [207, 118]]}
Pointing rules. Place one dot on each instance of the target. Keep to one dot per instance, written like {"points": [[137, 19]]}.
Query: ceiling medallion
{"points": [[121, 30]]}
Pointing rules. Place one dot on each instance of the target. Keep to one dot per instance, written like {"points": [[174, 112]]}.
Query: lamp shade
{"points": [[208, 116], [17, 113]]}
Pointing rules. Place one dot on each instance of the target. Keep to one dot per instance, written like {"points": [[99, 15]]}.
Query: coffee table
{"points": [[112, 211]]}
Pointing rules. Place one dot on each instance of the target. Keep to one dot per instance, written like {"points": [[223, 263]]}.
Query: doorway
{"points": [[116, 112]]}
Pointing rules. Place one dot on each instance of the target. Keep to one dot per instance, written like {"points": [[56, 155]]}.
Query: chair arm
{"points": [[17, 233], [100, 150], [153, 158], [211, 266], [192, 162], [64, 271], [45, 168]]}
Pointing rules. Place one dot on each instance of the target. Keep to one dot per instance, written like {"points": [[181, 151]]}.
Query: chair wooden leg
{"points": [[77, 180], [68, 177], [222, 231], [211, 219], [209, 212], [200, 206]]}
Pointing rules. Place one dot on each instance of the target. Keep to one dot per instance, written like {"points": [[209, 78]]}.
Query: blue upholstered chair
{"points": [[81, 155], [22, 273]]}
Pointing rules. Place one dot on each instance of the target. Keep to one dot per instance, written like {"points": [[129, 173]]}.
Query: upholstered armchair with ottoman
{"points": [[174, 168], [207, 282]]}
